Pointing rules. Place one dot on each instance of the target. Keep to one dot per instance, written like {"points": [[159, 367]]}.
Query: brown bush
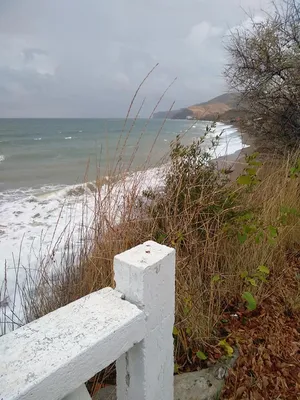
{"points": [[205, 217]]}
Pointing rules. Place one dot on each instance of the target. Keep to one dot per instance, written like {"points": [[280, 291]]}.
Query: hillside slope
{"points": [[207, 110], [230, 99]]}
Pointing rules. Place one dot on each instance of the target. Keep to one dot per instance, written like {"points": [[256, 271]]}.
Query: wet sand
{"points": [[236, 162]]}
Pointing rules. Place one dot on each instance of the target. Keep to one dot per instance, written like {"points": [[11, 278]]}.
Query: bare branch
{"points": [[264, 68]]}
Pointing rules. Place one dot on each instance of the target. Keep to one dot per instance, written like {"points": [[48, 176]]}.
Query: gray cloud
{"points": [[86, 58]]}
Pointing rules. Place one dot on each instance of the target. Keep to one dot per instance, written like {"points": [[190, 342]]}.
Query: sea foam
{"points": [[36, 223]]}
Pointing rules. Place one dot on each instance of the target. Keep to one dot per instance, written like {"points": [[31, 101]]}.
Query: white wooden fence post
{"points": [[146, 277]]}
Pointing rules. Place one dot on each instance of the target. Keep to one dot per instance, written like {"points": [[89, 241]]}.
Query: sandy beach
{"points": [[236, 162]]}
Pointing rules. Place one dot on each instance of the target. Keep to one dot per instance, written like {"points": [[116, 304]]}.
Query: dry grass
{"points": [[201, 213]]}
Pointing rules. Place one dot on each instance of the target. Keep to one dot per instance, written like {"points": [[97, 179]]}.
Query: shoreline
{"points": [[236, 161], [51, 186], [36, 226]]}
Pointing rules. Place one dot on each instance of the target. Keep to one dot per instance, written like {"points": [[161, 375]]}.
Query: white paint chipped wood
{"points": [[146, 275], [52, 357]]}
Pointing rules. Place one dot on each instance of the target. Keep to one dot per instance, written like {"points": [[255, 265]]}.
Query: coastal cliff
{"points": [[225, 104]]}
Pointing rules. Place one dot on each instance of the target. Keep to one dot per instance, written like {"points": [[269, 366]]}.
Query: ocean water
{"points": [[44, 163]]}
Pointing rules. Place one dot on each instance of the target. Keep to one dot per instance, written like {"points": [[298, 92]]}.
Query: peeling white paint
{"points": [[52, 357], [146, 275]]}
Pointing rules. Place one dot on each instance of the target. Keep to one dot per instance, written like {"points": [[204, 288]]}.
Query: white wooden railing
{"points": [[52, 357]]}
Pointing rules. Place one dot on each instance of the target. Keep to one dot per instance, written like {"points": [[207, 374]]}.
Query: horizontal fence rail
{"points": [[52, 357]]}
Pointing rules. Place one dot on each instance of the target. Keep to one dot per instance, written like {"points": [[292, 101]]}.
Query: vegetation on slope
{"points": [[232, 241], [237, 242]]}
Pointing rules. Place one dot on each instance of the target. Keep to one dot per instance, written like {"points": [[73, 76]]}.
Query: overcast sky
{"points": [[85, 58]]}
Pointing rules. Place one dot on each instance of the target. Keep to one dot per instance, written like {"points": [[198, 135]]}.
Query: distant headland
{"points": [[226, 106]]}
